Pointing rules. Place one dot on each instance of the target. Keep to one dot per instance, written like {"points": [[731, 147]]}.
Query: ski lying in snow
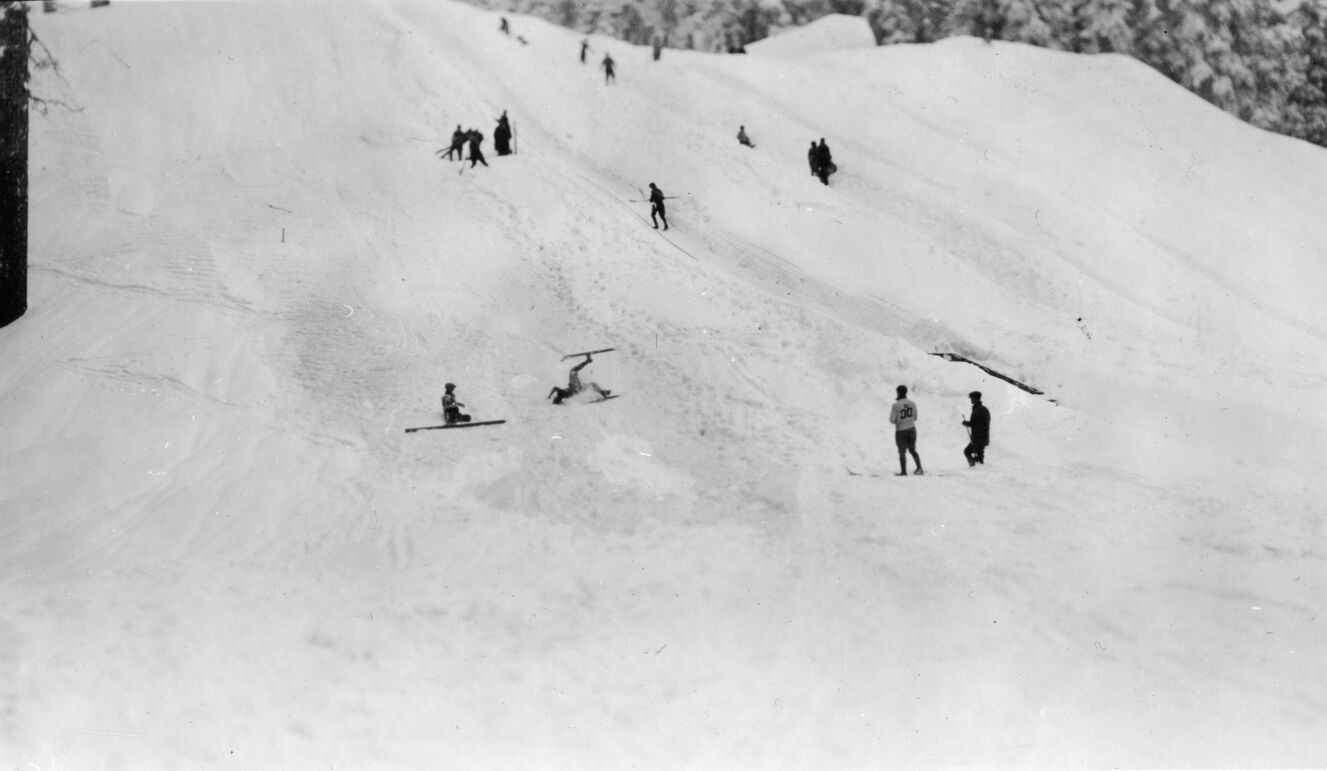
{"points": [[861, 473], [587, 353], [603, 399], [455, 425]]}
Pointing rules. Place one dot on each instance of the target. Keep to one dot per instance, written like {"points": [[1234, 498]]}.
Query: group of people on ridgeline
{"points": [[474, 138], [904, 417]]}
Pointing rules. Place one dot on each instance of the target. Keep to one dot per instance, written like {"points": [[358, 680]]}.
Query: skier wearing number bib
{"points": [[904, 417]]}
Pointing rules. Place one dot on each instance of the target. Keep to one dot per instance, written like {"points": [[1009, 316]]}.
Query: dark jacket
{"points": [[980, 423]]}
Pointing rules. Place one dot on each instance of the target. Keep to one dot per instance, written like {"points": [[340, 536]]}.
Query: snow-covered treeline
{"points": [[1263, 61]]}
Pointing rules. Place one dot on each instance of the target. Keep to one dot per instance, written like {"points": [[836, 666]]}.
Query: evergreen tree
{"points": [[14, 52]]}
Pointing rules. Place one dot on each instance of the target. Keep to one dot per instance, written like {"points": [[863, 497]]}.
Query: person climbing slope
{"points": [[657, 207]]}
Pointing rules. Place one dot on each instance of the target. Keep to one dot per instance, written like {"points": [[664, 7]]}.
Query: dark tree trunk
{"points": [[13, 161]]}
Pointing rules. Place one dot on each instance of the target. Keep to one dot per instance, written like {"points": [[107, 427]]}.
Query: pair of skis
{"points": [[476, 424]]}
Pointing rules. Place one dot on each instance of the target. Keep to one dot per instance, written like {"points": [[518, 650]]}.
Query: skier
{"points": [[458, 145], [742, 137], [979, 431], [503, 27], [904, 417], [476, 138], [451, 409], [813, 159], [609, 76], [502, 135], [657, 207], [558, 395], [658, 49], [824, 162], [585, 47]]}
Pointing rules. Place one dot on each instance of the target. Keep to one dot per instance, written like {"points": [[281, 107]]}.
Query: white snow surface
{"points": [[250, 273], [832, 32]]}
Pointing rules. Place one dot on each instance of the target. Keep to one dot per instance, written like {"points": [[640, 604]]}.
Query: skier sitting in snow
{"points": [[451, 409], [559, 395], [742, 137]]}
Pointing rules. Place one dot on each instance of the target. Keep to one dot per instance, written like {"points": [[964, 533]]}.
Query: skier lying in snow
{"points": [[559, 395]]}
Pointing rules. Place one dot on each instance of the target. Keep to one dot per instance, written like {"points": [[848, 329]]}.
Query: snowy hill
{"points": [[250, 273]]}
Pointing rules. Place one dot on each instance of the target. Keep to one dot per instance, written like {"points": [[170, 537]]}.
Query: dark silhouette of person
{"points": [[657, 207], [506, 30], [607, 64], [451, 409], [574, 386], [742, 137], [979, 431], [476, 138], [502, 135], [824, 162], [658, 49], [457, 147], [585, 48], [813, 159]]}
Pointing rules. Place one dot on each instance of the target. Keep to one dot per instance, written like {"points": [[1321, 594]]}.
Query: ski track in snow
{"points": [[249, 273]]}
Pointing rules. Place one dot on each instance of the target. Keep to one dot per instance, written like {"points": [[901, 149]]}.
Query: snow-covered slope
{"points": [[250, 273], [834, 32]]}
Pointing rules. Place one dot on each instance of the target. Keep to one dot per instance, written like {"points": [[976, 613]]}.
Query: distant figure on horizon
{"points": [[904, 417], [476, 155], [990, 20], [742, 137], [658, 49], [559, 395], [451, 409], [824, 162], [502, 136], [585, 47], [812, 159], [506, 30], [979, 431], [657, 207], [607, 64]]}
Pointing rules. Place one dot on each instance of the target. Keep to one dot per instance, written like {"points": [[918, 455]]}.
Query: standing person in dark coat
{"points": [[657, 207], [607, 64], [813, 159], [502, 135], [504, 27], [824, 162], [476, 155], [585, 48], [742, 137], [457, 147], [979, 431]]}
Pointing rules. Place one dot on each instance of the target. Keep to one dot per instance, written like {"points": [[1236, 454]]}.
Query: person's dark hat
{"points": [[901, 390], [975, 395], [450, 386]]}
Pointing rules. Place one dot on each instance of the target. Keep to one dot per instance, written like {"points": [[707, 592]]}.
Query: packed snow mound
{"points": [[835, 32], [251, 271]]}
